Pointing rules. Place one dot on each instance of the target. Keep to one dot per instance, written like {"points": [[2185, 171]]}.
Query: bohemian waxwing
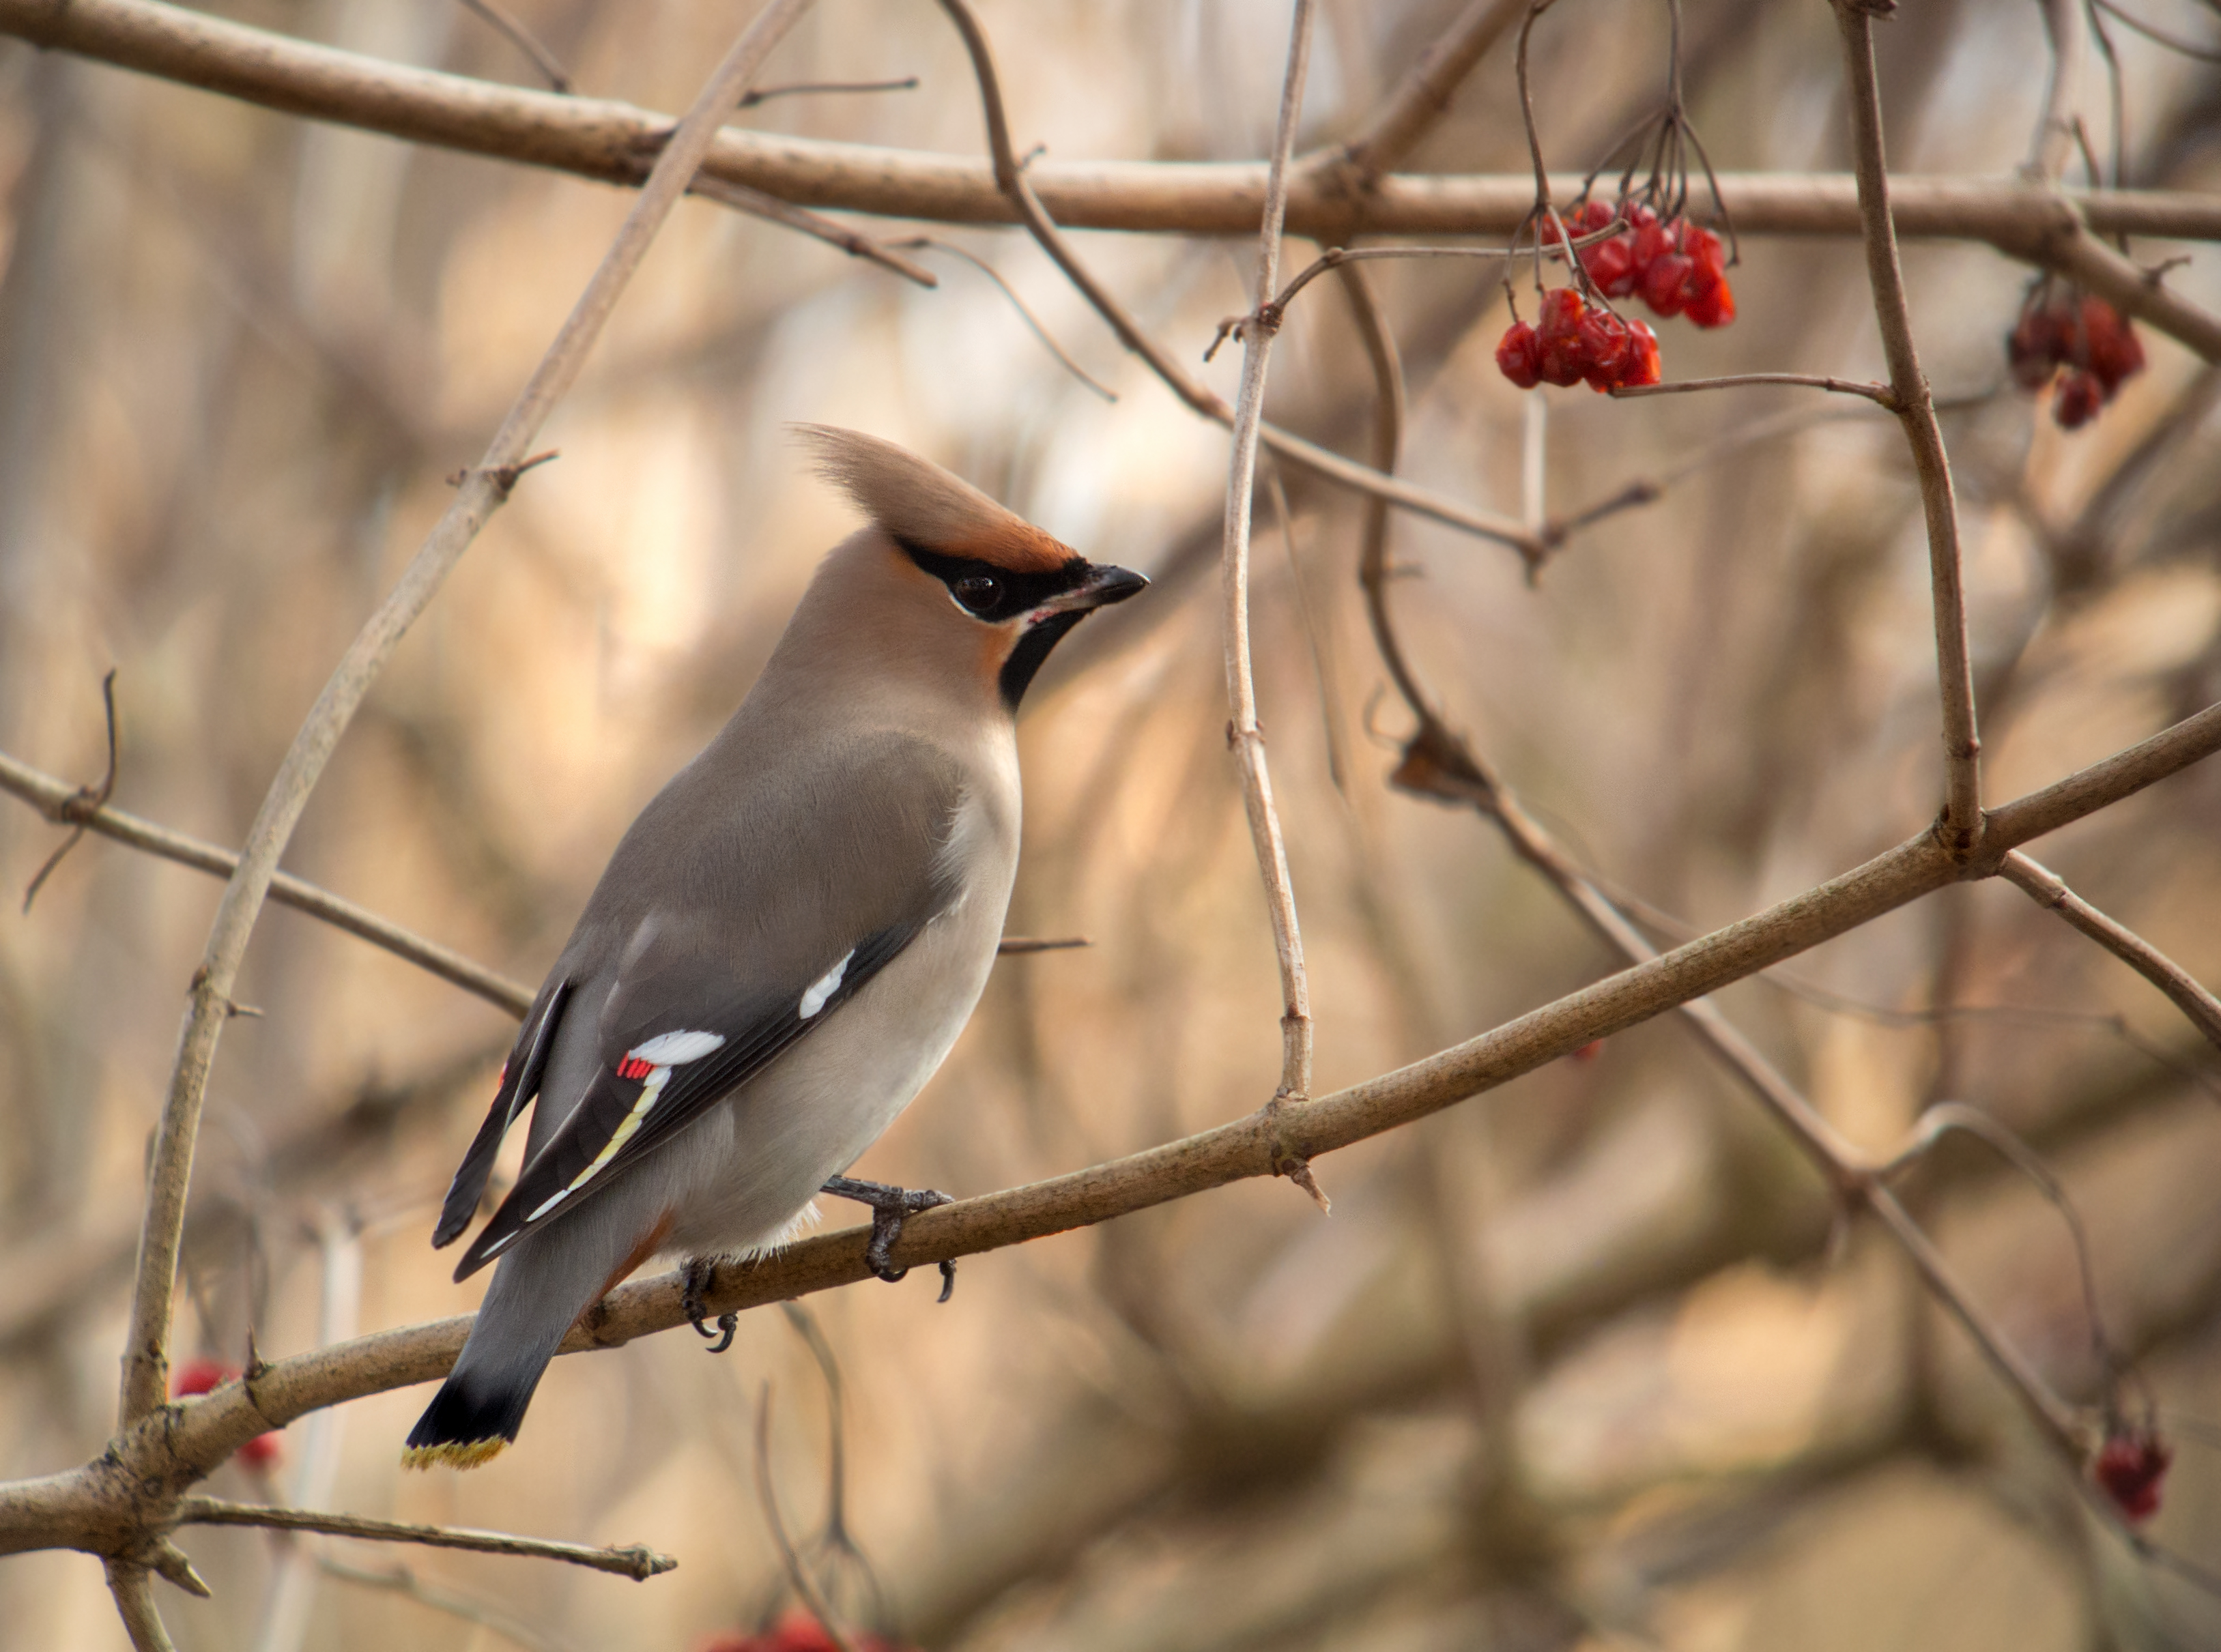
{"points": [[787, 942]]}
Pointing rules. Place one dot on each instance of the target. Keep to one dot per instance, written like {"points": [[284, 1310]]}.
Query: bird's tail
{"points": [[537, 1292], [481, 1405]]}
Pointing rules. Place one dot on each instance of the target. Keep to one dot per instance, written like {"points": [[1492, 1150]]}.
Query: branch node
{"points": [[83, 805], [165, 1557]]}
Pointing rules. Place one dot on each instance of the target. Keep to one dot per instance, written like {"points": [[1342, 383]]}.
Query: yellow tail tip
{"points": [[454, 1454]]}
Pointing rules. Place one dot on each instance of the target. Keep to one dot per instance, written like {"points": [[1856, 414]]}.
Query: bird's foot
{"points": [[701, 1275], [890, 1207]]}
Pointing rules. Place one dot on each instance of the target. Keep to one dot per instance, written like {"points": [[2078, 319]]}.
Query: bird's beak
{"points": [[1104, 585]]}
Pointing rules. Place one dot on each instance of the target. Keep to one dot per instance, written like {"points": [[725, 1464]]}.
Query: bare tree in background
{"points": [[1769, 676]]}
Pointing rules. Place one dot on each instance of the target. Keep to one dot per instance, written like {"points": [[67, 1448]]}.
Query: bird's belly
{"points": [[753, 1162]]}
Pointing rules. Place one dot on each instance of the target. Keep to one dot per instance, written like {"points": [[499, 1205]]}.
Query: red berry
{"points": [[1595, 214], [2077, 399], [1519, 356], [1641, 366], [2130, 1470], [1605, 343], [1663, 280], [1653, 240], [1713, 307], [1564, 360], [1706, 251], [2028, 352], [198, 1377], [259, 1452], [1610, 264], [2115, 354]]}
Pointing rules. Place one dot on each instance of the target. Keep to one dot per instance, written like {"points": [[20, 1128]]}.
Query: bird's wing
{"points": [[520, 1082], [761, 929]]}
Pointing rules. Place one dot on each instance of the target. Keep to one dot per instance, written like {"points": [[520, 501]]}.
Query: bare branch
{"points": [[806, 1586], [134, 1601], [404, 1582], [80, 1508], [1962, 823], [1048, 339], [485, 488], [1242, 733], [2046, 888], [524, 41], [1397, 128], [1879, 394], [610, 140], [771, 209], [756, 95], [635, 1560], [84, 801], [61, 803]]}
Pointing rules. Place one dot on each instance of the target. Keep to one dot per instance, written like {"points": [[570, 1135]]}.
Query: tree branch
{"points": [[60, 803], [1440, 763], [613, 142], [2046, 888], [1419, 102], [635, 1561], [102, 1507], [1962, 823], [483, 489], [1241, 730]]}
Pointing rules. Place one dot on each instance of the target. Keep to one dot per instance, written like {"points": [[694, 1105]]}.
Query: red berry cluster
{"points": [[198, 1377], [1576, 342], [2130, 1468], [1676, 266], [796, 1631], [2085, 344]]}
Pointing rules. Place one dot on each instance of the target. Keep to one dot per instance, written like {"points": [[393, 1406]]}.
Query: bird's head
{"points": [[949, 579]]}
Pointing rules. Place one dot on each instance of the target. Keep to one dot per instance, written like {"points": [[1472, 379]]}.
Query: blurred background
{"points": [[1574, 1365]]}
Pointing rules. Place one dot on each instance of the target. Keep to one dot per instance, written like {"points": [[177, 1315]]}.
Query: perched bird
{"points": [[787, 942]]}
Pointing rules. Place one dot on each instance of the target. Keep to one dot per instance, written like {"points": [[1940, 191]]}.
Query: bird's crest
{"points": [[920, 504]]}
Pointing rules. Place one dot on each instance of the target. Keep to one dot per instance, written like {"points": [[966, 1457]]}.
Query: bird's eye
{"points": [[978, 592]]}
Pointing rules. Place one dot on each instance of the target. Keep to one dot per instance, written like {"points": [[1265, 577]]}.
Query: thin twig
{"points": [[1242, 733], [635, 1560], [57, 800], [1419, 102], [146, 1364], [524, 41], [1012, 179], [134, 1603], [1879, 394], [404, 1582], [819, 88], [2173, 42], [2046, 888], [1048, 339], [771, 209], [806, 1586], [2054, 127], [82, 804], [1960, 825]]}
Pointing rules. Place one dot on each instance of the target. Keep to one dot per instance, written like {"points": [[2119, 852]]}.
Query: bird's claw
{"points": [[890, 1207], [694, 1301]]}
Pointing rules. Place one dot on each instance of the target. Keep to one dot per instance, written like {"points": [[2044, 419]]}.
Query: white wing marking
{"points": [[676, 1049], [825, 986]]}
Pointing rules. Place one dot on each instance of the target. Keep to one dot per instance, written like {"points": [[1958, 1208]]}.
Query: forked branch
{"points": [[1962, 823]]}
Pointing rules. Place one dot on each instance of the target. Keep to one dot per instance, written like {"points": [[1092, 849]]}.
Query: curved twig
{"points": [[635, 1561]]}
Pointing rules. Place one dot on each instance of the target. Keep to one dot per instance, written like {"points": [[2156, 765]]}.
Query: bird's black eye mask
{"points": [[994, 594]]}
